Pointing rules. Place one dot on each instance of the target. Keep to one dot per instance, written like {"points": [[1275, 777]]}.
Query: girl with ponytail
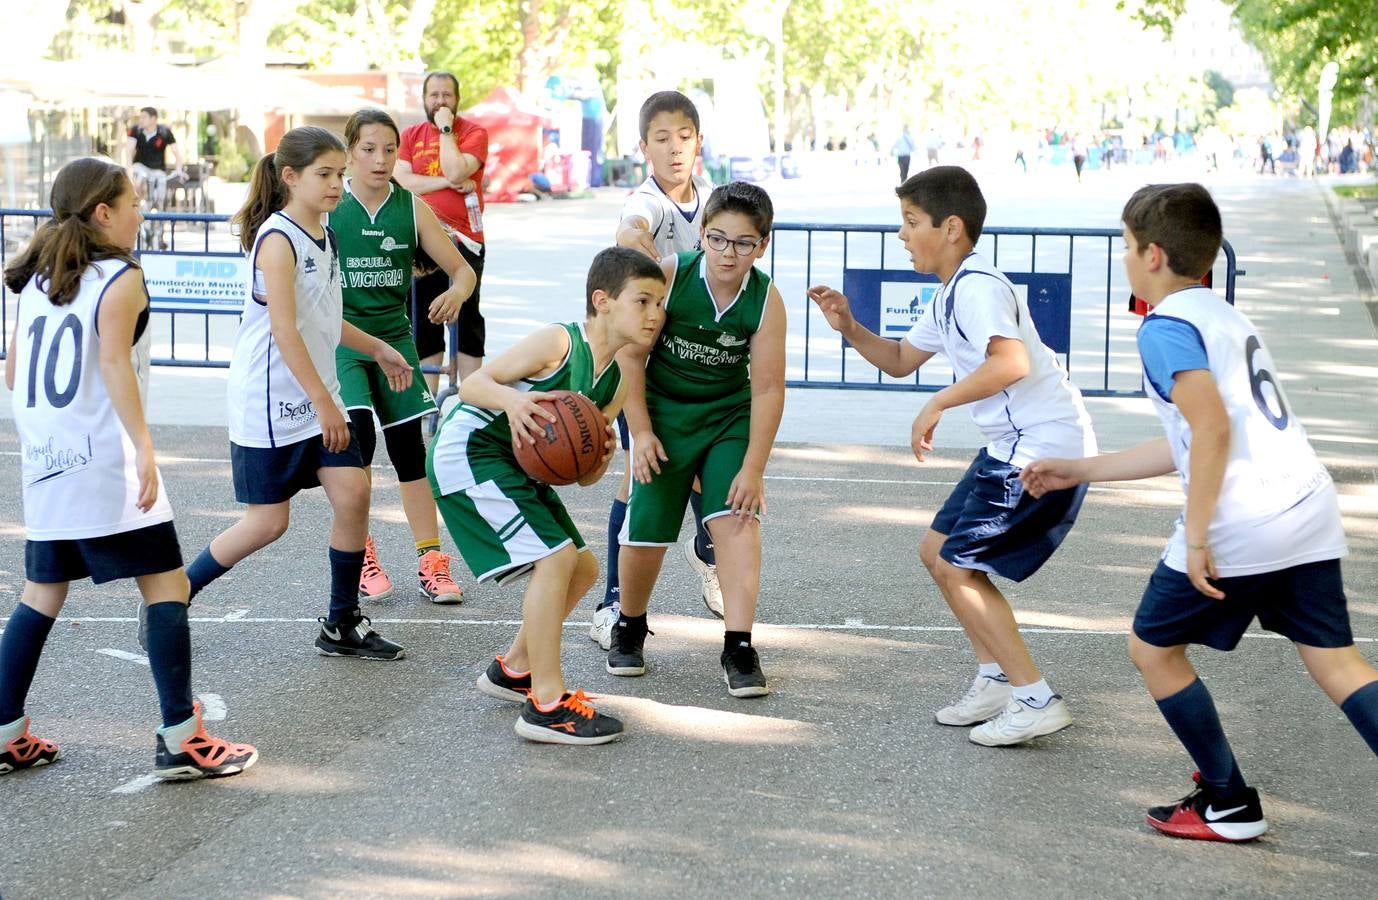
{"points": [[288, 430], [94, 504]]}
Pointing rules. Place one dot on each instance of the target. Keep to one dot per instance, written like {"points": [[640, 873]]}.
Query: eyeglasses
{"points": [[719, 242]]}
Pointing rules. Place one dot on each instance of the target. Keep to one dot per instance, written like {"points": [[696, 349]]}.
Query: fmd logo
{"points": [[204, 268]]}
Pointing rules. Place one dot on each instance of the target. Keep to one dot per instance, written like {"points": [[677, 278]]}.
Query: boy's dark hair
{"points": [[1182, 219], [667, 101], [741, 197], [944, 191], [612, 268], [150, 111]]}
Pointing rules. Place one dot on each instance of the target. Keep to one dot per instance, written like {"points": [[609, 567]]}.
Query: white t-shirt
{"points": [[1277, 506], [267, 406], [674, 228], [78, 462], [1041, 414]]}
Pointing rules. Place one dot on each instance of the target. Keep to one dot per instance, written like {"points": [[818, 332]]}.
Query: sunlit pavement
{"points": [[402, 780]]}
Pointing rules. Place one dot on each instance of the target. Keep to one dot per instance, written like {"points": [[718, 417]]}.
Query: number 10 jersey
{"points": [[80, 478], [1277, 506]]}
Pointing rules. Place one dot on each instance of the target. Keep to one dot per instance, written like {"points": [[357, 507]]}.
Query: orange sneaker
{"points": [[374, 583], [185, 751], [433, 570], [21, 750]]}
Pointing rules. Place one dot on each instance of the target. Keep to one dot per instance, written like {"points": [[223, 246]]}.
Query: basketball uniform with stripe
{"points": [[501, 519], [673, 228], [1277, 506], [1041, 414], [698, 395], [78, 462], [376, 255], [267, 405]]}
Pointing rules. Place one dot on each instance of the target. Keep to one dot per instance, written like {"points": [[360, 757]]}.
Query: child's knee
{"points": [[585, 574], [271, 522], [1147, 658]]}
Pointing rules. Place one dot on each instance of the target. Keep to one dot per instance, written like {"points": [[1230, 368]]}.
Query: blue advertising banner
{"points": [[890, 301]]}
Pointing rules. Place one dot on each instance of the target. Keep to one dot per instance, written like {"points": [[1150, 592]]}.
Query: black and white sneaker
{"points": [[1208, 815], [501, 682], [627, 656], [355, 637], [573, 721], [741, 669]]}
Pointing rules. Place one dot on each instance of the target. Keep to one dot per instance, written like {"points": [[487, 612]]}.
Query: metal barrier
{"points": [[1076, 288]]}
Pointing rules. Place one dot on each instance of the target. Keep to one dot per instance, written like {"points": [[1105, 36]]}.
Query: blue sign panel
{"points": [[890, 301]]}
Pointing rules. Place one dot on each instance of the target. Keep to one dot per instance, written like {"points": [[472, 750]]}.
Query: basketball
{"points": [[570, 447]]}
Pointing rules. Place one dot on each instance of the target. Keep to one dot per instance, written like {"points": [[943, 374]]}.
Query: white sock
{"points": [[1036, 695], [991, 670]]}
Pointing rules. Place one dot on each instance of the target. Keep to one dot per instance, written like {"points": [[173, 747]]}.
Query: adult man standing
{"points": [[147, 151], [441, 160]]}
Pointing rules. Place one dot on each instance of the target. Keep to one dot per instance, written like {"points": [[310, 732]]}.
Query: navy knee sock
{"points": [[703, 541], [616, 517], [203, 570], [20, 647], [345, 568], [1361, 707], [169, 656], [1192, 715]]}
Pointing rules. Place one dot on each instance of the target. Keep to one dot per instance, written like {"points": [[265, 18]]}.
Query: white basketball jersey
{"points": [[673, 228], [267, 406], [80, 479], [1277, 506], [1041, 414]]}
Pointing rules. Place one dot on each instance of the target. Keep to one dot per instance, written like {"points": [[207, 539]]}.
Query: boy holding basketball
{"points": [[1261, 534], [1021, 400], [505, 523]]}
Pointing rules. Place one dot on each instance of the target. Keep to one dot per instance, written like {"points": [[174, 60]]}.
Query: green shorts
{"points": [[707, 440], [364, 386], [503, 527]]}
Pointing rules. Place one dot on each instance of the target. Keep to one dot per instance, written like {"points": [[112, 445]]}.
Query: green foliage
{"points": [[233, 163], [1357, 191]]}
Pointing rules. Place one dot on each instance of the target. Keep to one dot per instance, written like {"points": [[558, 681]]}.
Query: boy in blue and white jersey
{"points": [[1021, 400], [1261, 534]]}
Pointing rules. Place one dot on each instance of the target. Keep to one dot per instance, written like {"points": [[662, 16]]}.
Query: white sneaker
{"points": [[1020, 722], [983, 700], [603, 621], [712, 592]]}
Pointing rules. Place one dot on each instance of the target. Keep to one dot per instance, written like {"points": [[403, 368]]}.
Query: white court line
{"points": [[236, 615], [136, 785], [579, 625], [138, 658], [213, 707]]}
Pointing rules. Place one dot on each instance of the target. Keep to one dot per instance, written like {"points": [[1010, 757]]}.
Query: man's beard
{"points": [[430, 112]]}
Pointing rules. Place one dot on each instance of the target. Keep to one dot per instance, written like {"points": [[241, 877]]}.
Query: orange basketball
{"points": [[570, 447]]}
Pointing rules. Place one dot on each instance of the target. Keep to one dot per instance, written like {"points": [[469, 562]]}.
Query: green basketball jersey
{"points": [[474, 444], [703, 354], [376, 253]]}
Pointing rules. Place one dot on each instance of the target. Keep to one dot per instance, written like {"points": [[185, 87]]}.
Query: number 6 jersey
{"points": [[1277, 506], [80, 480]]}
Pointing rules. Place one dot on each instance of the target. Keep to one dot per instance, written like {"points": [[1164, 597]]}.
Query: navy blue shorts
{"points": [[277, 474], [129, 554], [1305, 604], [992, 525]]}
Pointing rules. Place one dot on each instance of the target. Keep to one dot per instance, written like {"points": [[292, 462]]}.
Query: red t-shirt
{"points": [[420, 147]]}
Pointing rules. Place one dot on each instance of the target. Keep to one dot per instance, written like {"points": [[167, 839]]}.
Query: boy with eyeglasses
{"points": [[706, 404]]}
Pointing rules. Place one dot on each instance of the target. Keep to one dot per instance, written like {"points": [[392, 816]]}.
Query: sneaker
{"points": [[1207, 815], [626, 652], [1019, 722], [572, 721], [374, 583], [708, 575], [433, 570], [21, 750], [355, 637], [603, 620], [741, 669], [501, 682], [983, 700], [185, 752]]}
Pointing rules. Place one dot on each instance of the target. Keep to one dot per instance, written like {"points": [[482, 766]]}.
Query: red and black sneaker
{"points": [[503, 683], [21, 750], [185, 752], [571, 721], [1206, 814]]}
